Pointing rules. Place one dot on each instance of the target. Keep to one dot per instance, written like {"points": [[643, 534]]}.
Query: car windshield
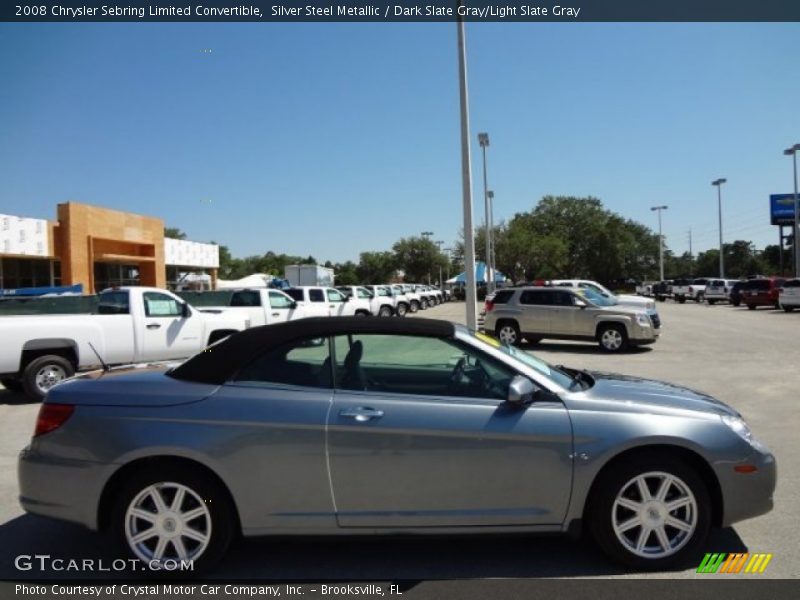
{"points": [[596, 298], [544, 368], [603, 291]]}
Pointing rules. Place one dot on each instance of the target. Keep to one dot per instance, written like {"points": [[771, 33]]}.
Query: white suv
{"points": [[789, 295], [380, 305], [328, 302], [719, 290]]}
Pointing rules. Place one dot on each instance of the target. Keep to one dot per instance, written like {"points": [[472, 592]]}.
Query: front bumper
{"points": [[747, 495], [61, 488]]}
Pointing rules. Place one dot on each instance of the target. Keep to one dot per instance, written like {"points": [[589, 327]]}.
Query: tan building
{"points": [[98, 248]]}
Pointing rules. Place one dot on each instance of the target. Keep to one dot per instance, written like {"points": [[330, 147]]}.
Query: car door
{"points": [[338, 305], [414, 441], [281, 307], [535, 316], [167, 333], [567, 319]]}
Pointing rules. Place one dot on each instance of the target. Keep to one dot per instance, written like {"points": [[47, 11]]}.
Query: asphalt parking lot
{"points": [[746, 358]]}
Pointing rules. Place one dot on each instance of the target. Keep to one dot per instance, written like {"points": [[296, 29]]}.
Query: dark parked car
{"points": [[736, 293], [761, 292], [347, 426]]}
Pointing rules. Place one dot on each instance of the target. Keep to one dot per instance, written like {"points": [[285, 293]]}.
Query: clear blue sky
{"points": [[334, 139]]}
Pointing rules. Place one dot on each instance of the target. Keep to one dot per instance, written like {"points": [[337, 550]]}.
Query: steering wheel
{"points": [[457, 375]]}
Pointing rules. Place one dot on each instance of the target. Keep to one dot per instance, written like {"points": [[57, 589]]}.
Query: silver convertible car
{"points": [[374, 426]]}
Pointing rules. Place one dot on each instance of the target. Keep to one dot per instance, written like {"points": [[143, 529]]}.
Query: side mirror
{"points": [[293, 305], [186, 312], [520, 391], [580, 303]]}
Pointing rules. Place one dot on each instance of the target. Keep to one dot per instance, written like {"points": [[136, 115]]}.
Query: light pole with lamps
{"points": [[483, 140], [718, 183], [660, 241], [427, 235], [793, 153], [441, 283], [490, 231]]}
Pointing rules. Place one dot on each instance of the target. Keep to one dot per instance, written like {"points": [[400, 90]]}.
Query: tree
{"points": [[174, 233], [375, 267], [346, 273], [419, 257]]}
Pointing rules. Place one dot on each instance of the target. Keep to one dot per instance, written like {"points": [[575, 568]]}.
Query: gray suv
{"points": [[535, 313]]}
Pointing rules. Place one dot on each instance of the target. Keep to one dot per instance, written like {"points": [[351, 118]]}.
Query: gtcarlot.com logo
{"points": [[45, 562], [732, 564]]}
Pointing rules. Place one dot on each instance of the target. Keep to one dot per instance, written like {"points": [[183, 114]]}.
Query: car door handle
{"points": [[154, 325], [276, 314], [361, 414]]}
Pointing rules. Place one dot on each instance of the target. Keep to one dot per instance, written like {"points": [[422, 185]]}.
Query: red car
{"points": [[761, 292]]}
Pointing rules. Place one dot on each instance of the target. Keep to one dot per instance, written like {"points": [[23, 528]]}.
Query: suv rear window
{"points": [[503, 296], [757, 284], [792, 283], [296, 294]]}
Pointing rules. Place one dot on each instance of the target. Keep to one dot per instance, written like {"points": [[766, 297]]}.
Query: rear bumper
{"points": [[65, 489]]}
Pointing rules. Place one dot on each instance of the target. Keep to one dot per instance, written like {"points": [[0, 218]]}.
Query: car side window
{"points": [[160, 305], [114, 303], [335, 296], [316, 295], [246, 298], [563, 299], [300, 362], [277, 300], [363, 293], [537, 298], [418, 366]]}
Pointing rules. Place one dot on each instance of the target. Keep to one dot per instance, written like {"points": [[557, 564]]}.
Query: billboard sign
{"points": [[781, 209]]}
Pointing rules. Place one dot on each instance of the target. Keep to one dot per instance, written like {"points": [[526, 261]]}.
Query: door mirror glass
{"points": [[186, 312], [580, 303], [520, 390]]}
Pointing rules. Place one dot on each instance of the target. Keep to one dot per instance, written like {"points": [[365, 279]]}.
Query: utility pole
{"points": [[796, 228], [691, 255], [718, 183], [483, 140], [660, 241]]}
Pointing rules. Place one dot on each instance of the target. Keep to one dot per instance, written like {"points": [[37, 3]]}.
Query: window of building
{"points": [[108, 275], [18, 273]]}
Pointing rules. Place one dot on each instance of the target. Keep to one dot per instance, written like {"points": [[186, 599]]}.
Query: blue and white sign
{"points": [[781, 210]]}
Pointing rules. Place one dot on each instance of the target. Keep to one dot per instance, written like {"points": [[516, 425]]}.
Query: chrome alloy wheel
{"points": [[507, 334], [611, 339], [167, 521], [654, 515], [48, 376]]}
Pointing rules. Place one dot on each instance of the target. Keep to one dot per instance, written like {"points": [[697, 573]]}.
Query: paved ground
{"points": [[746, 358]]}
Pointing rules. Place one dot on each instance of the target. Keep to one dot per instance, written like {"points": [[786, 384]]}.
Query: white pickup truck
{"points": [[132, 324], [328, 302], [380, 301], [685, 289], [261, 306]]}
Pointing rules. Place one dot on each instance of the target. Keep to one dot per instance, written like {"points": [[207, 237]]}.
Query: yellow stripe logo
{"points": [[731, 564]]}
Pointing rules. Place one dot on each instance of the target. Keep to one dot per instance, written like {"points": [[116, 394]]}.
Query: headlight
{"points": [[742, 429], [643, 320]]}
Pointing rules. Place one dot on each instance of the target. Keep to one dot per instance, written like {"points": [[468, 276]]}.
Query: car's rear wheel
{"points": [[423, 303], [385, 311], [612, 338], [401, 309], [508, 333], [43, 373], [785, 308], [751, 307], [682, 300], [362, 313], [711, 302], [700, 297], [414, 306], [650, 513], [173, 514]]}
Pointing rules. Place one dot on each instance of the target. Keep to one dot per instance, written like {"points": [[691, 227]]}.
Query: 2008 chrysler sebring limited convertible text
{"points": [[365, 426]]}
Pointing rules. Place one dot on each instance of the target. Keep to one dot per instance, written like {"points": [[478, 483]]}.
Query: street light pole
{"points": [[492, 266], [427, 235], [483, 140], [441, 283], [795, 245], [718, 183], [466, 179], [660, 241]]}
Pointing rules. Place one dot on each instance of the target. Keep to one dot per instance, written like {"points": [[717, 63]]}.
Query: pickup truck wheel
{"points": [[751, 307], [385, 311], [43, 373], [682, 300], [361, 313], [710, 301], [423, 303], [14, 385], [172, 513], [414, 306], [508, 333], [612, 338], [402, 309]]}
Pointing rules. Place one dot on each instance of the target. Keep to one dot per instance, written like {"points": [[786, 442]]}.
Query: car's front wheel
{"points": [[612, 338], [385, 311], [173, 514], [785, 309], [414, 306], [650, 513], [401, 309]]}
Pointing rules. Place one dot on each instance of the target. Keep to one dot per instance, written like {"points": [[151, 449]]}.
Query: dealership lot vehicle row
{"points": [[702, 347]]}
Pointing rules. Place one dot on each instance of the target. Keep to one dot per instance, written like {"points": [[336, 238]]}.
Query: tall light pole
{"points": [[490, 232], [483, 140], [795, 245], [441, 283], [449, 255], [466, 179], [718, 183], [660, 241]]}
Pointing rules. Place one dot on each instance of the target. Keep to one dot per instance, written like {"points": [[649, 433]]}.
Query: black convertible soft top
{"points": [[218, 363]]}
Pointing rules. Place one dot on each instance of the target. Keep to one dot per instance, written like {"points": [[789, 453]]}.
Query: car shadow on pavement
{"points": [[15, 398], [351, 558], [577, 348]]}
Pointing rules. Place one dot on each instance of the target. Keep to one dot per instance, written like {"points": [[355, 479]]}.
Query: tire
{"points": [[12, 384], [700, 297], [736, 303], [414, 306], [44, 372], [423, 303], [385, 311], [508, 333], [613, 502], [612, 338], [362, 313], [751, 307], [682, 300], [785, 309], [402, 309], [202, 494], [711, 302]]}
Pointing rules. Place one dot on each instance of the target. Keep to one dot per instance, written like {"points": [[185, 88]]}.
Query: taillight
{"points": [[489, 306], [51, 417], [690, 289]]}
